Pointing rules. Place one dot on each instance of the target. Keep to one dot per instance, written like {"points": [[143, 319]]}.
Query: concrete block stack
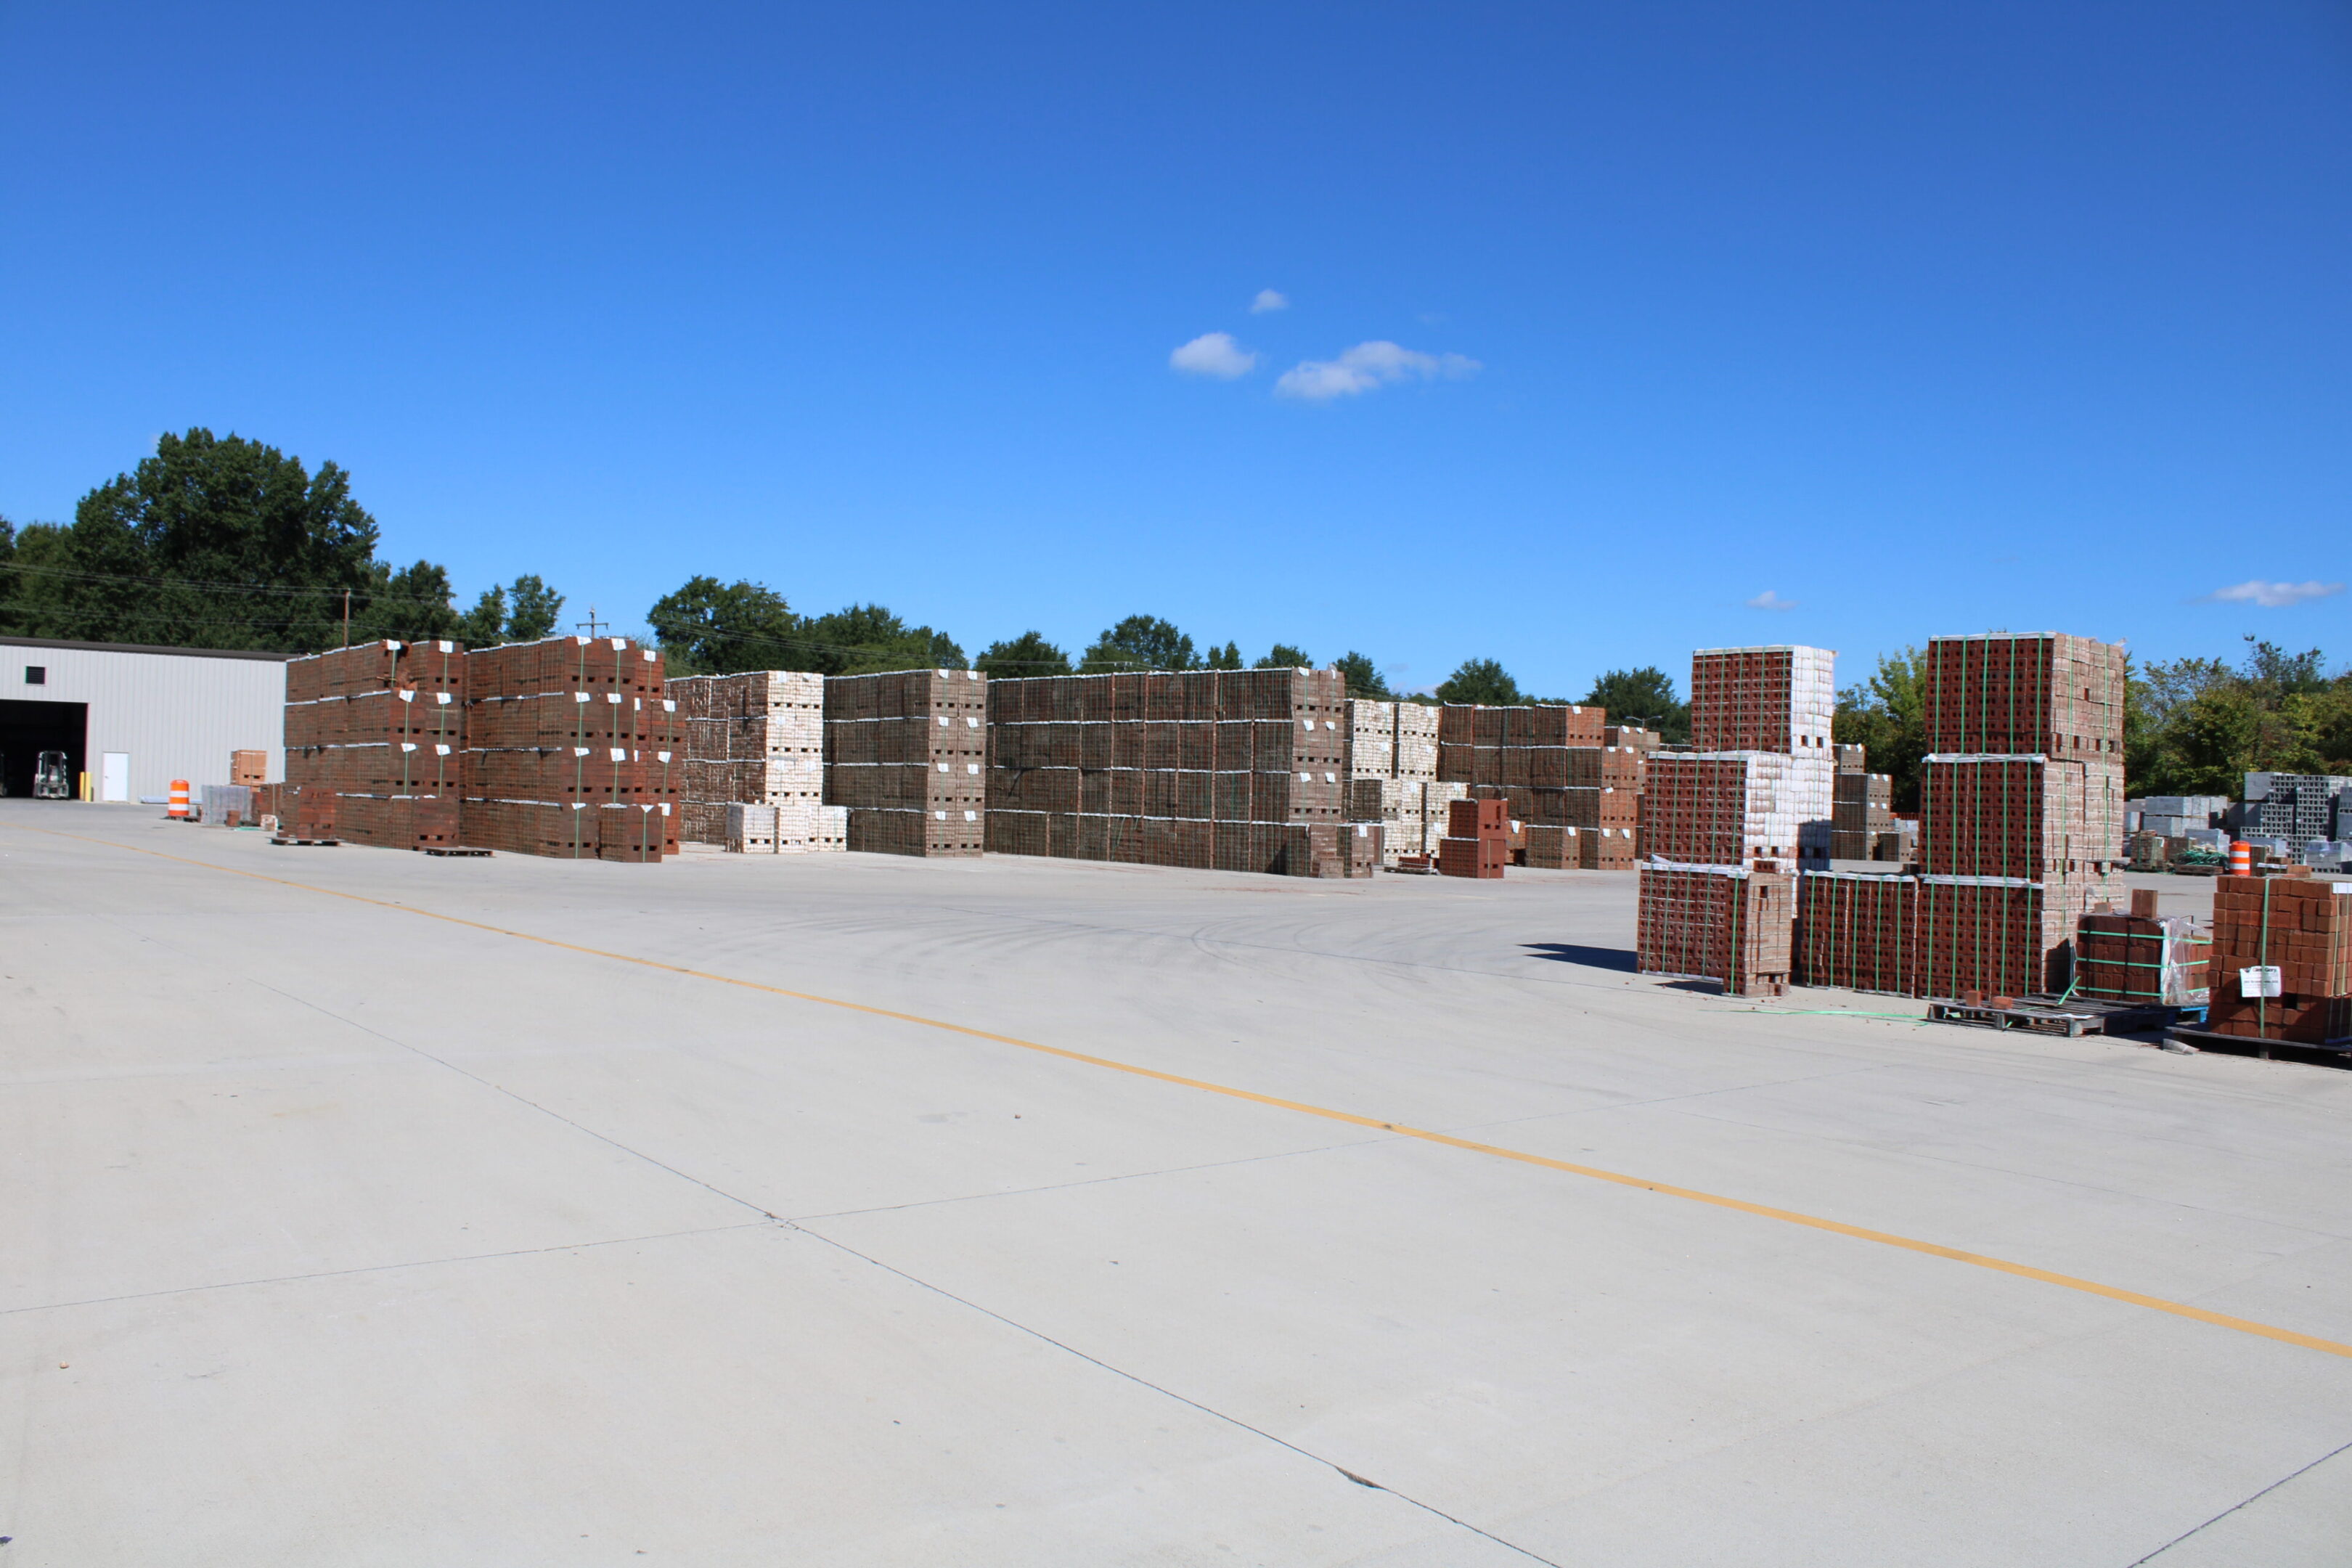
{"points": [[574, 748], [1393, 775], [1862, 807], [2019, 827], [2296, 807], [1477, 841], [1724, 825], [757, 738], [2179, 816], [1226, 770], [375, 742], [906, 753], [2299, 926]]}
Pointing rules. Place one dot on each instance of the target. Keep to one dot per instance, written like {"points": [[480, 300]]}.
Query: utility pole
{"points": [[347, 617], [591, 626]]}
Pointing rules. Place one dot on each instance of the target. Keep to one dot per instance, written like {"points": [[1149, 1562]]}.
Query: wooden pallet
{"points": [[2206, 1040], [320, 842], [453, 849], [2071, 1019]]}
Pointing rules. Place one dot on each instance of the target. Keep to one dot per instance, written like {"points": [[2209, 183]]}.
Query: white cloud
{"points": [[2273, 595], [1214, 353], [1366, 366], [1768, 600], [1269, 300]]}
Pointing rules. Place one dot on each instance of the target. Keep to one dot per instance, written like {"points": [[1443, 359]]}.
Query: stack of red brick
{"points": [[1477, 841], [375, 737], [2142, 957], [2021, 815], [1222, 769], [2300, 925], [1555, 766], [1733, 924], [573, 750], [906, 753]]}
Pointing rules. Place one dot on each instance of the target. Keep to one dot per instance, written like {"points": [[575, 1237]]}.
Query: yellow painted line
{"points": [[1520, 1156]]}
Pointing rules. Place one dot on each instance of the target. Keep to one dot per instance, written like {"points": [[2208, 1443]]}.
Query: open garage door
{"points": [[28, 729]]}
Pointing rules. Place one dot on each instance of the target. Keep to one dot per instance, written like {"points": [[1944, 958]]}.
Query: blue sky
{"points": [[1923, 318]]}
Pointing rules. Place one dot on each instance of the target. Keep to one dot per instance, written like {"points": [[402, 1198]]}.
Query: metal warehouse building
{"points": [[136, 717]]}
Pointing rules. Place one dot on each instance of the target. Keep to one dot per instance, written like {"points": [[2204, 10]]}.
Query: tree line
{"points": [[219, 541], [2191, 726]]}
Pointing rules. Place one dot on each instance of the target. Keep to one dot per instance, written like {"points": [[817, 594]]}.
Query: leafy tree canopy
{"points": [[1887, 714], [1226, 657], [1282, 655], [1026, 655], [1481, 680], [2197, 726], [864, 638], [708, 627], [525, 613], [1644, 696], [1364, 678], [1141, 642]]}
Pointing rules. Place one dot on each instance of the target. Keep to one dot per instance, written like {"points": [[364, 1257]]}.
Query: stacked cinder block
{"points": [[376, 741], [2020, 818], [1226, 770], [757, 738], [2297, 807], [574, 748], [906, 751], [2299, 925], [1391, 776], [1722, 826]]}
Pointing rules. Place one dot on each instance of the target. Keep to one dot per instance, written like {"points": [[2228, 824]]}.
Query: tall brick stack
{"points": [[1555, 767], [1722, 827], [1861, 810], [1393, 775], [574, 748], [375, 742], [2300, 925], [757, 738], [906, 753], [1226, 770], [2020, 825]]}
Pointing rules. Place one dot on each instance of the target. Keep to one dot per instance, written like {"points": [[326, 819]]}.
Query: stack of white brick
{"points": [[1393, 775], [757, 740]]}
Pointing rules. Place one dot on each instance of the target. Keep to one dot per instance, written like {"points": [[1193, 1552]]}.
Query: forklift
{"points": [[50, 780]]}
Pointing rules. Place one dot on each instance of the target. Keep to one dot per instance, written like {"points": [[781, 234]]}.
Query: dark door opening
{"points": [[28, 729]]}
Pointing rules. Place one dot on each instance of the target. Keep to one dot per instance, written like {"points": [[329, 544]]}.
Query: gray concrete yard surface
{"points": [[335, 1233]]}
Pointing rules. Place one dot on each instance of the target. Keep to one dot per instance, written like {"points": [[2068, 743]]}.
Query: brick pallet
{"points": [[906, 753], [1391, 759], [2040, 692], [1858, 932], [1726, 808], [2299, 924], [1782, 699], [1205, 768], [1732, 925], [574, 750], [1477, 841], [756, 738], [2026, 817], [1558, 848], [2142, 957], [375, 742], [1943, 936], [1860, 809]]}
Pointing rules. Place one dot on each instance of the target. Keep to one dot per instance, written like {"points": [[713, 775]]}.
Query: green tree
{"points": [[1887, 714], [864, 638], [1282, 655], [1026, 655], [707, 628], [525, 613], [1140, 642], [1364, 678], [2213, 742], [1226, 657], [411, 604], [1481, 680], [1644, 696]]}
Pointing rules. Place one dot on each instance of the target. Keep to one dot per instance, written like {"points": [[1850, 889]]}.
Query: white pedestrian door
{"points": [[114, 776]]}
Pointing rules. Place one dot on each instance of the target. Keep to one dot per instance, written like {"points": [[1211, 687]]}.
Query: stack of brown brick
{"points": [[2298, 925], [375, 737], [1477, 841], [573, 750], [906, 751], [1229, 770]]}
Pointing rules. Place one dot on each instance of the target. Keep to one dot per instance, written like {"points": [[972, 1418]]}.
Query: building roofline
{"points": [[143, 648]]}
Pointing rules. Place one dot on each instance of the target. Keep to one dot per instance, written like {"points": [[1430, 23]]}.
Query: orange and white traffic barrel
{"points": [[179, 806], [2241, 857]]}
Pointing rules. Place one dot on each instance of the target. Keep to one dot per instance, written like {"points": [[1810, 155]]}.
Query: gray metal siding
{"points": [[177, 715]]}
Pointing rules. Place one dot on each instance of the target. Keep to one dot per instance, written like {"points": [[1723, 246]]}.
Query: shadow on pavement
{"points": [[1620, 958]]}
